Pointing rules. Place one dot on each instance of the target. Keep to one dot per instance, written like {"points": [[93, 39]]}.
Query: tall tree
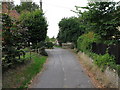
{"points": [[70, 30], [101, 18], [36, 24], [10, 41], [26, 6]]}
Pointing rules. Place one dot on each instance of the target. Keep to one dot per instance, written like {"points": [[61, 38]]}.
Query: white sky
{"points": [[55, 10]]}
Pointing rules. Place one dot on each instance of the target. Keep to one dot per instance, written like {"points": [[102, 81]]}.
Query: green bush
{"points": [[84, 42], [103, 61], [111, 42], [49, 45], [45, 45], [41, 44], [118, 69]]}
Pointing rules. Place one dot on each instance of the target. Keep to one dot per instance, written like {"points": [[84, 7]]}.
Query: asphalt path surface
{"points": [[62, 70]]}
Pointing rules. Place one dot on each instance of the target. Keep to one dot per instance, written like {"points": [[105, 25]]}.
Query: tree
{"points": [[36, 24], [10, 42], [70, 30], [102, 18], [11, 5], [47, 39], [26, 6], [7, 38]]}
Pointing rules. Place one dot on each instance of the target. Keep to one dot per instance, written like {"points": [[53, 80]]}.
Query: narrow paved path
{"points": [[62, 70]]}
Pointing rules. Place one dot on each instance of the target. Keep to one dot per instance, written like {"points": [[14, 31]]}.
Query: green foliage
{"points": [[53, 39], [41, 44], [20, 77], [47, 39], [49, 45], [50, 39], [111, 42], [10, 43], [101, 18], [84, 42], [17, 35], [118, 69], [33, 69], [45, 45], [70, 30], [26, 6], [37, 30], [104, 60]]}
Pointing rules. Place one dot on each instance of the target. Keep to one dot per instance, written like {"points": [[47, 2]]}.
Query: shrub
{"points": [[43, 52], [84, 42], [103, 61], [45, 45], [41, 44], [49, 45]]}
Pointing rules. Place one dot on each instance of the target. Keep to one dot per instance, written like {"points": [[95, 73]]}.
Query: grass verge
{"points": [[100, 79], [21, 76]]}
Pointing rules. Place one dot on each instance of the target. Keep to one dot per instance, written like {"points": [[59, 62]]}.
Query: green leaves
{"points": [[104, 61], [70, 30], [31, 27], [11, 42], [36, 24], [100, 17], [99, 21], [84, 41], [26, 6]]}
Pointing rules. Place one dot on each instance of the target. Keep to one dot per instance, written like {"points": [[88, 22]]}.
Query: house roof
{"points": [[12, 13]]}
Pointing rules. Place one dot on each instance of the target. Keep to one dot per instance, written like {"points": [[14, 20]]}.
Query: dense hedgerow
{"points": [[84, 44]]}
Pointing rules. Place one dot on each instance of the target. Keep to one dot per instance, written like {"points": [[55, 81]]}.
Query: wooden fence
{"points": [[112, 50]]}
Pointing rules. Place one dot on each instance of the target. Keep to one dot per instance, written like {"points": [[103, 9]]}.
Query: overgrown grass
{"points": [[21, 76]]}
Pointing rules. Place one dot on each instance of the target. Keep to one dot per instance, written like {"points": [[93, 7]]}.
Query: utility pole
{"points": [[41, 5]]}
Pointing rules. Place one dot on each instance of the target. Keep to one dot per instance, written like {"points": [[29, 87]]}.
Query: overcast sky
{"points": [[55, 10]]}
